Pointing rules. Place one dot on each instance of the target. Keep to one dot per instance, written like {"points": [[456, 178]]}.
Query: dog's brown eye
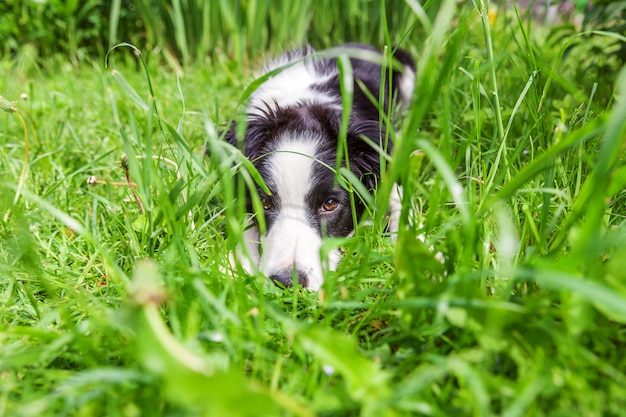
{"points": [[330, 204], [267, 203]]}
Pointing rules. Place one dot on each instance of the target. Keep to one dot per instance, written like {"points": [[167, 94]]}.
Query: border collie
{"points": [[293, 123]]}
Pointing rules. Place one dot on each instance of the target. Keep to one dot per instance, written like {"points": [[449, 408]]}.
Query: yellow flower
{"points": [[492, 16]]}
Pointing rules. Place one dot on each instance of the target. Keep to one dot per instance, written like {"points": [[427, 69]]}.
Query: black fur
{"points": [[263, 128], [275, 114]]}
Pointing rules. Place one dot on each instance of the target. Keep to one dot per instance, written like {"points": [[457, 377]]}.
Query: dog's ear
{"points": [[231, 134], [365, 159]]}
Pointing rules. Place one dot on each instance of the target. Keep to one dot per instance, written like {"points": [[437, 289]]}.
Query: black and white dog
{"points": [[293, 121]]}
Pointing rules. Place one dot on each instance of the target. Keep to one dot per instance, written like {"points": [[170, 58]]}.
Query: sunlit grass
{"points": [[117, 298]]}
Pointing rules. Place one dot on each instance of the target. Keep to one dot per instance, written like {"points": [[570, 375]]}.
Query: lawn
{"points": [[116, 294]]}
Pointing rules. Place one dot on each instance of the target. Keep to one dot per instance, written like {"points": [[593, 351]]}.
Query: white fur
{"points": [[290, 87], [406, 87], [395, 210], [291, 242]]}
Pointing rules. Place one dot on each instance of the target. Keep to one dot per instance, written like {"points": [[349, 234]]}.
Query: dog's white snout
{"points": [[292, 249]]}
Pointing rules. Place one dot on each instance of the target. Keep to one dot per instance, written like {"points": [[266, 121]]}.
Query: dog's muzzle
{"points": [[286, 278]]}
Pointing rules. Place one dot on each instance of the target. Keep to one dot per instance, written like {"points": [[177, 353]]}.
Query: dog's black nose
{"points": [[285, 278]]}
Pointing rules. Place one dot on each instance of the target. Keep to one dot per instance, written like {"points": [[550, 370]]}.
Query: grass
{"points": [[186, 29], [513, 166]]}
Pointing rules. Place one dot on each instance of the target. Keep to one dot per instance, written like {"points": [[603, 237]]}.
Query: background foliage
{"points": [[191, 29], [119, 300], [186, 30]]}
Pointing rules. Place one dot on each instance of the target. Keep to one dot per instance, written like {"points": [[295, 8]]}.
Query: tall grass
{"points": [[191, 30], [52, 27], [117, 298]]}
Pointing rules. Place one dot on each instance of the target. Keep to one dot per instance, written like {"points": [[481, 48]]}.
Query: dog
{"points": [[293, 122]]}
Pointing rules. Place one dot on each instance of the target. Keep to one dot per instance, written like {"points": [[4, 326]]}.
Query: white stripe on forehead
{"points": [[291, 167], [292, 242]]}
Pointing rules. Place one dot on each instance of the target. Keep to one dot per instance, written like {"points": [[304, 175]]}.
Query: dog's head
{"points": [[294, 150]]}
